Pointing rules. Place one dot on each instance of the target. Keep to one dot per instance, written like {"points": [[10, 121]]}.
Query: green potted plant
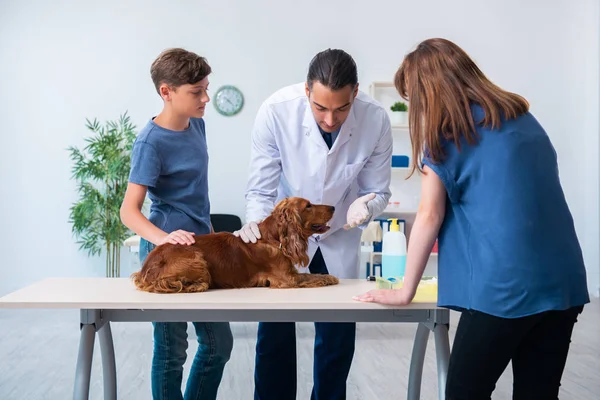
{"points": [[101, 170], [399, 113]]}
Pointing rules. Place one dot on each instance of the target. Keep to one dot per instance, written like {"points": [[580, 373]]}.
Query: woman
{"points": [[509, 258]]}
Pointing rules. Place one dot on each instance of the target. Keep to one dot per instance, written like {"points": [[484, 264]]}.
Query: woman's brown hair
{"points": [[442, 82]]}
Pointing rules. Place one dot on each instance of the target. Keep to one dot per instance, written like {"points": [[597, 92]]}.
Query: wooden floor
{"points": [[38, 350]]}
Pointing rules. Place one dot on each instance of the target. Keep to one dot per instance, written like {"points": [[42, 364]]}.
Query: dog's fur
{"points": [[222, 260]]}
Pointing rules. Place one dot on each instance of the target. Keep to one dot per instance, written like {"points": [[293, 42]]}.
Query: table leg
{"points": [[416, 362], [442, 354], [109, 369], [83, 370]]}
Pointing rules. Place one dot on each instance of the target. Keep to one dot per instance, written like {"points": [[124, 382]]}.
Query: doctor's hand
{"points": [[249, 232], [358, 212]]}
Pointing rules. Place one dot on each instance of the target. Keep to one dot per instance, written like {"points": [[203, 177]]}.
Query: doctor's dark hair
{"points": [[333, 68], [176, 67], [442, 83]]}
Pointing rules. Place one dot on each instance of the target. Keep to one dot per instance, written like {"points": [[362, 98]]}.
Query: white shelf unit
{"points": [[405, 191], [386, 94]]}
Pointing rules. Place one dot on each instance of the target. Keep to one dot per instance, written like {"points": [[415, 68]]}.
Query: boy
{"points": [[170, 161]]}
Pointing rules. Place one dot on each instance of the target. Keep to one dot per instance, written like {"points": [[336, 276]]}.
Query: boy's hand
{"points": [[179, 237]]}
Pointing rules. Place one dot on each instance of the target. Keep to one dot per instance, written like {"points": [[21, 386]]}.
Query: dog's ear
{"points": [[294, 244]]}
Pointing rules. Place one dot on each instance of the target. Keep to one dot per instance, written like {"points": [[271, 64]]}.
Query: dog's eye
{"points": [[308, 205]]}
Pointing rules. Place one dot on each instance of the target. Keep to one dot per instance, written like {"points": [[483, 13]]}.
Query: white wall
{"points": [[64, 61], [590, 29]]}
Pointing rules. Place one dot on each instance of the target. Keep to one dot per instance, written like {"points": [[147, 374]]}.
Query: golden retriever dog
{"points": [[222, 260]]}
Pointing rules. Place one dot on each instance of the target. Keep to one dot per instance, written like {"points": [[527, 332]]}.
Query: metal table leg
{"points": [[109, 369], [442, 354], [416, 362], [92, 322], [83, 371]]}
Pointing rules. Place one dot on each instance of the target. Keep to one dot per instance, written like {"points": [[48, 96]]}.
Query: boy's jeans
{"points": [[215, 342]]}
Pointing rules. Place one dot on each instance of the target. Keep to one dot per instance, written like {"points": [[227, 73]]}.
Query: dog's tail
{"points": [[188, 272], [138, 279], [150, 277]]}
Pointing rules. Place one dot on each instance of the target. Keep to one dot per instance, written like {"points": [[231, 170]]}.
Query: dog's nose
{"points": [[332, 209]]}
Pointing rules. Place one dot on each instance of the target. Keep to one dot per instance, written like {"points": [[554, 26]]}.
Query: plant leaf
{"points": [[101, 170]]}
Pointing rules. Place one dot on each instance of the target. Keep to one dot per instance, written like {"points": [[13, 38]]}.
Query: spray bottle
{"points": [[393, 260]]}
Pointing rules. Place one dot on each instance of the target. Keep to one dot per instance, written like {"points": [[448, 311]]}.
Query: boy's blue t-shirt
{"points": [[174, 167], [507, 246]]}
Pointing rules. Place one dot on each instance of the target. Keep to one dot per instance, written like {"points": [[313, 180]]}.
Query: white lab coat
{"points": [[290, 158]]}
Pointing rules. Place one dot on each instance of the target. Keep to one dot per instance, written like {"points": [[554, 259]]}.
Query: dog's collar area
{"points": [[278, 244], [275, 243]]}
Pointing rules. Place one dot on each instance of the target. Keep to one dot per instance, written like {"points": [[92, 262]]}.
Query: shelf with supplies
{"points": [[406, 191], [385, 93], [402, 172], [394, 211], [373, 260]]}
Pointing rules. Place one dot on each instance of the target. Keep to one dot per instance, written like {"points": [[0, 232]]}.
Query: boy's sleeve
{"points": [[445, 176], [145, 164]]}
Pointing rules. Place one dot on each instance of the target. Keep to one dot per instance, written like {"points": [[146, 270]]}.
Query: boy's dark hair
{"points": [[332, 68], [177, 66]]}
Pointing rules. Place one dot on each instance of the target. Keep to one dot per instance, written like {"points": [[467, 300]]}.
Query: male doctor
{"points": [[326, 141]]}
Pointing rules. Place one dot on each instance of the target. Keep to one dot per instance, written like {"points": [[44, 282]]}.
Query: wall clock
{"points": [[229, 100]]}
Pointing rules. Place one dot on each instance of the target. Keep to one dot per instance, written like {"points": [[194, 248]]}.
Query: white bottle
{"points": [[393, 252], [366, 249]]}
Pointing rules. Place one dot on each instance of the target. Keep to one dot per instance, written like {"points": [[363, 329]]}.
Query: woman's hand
{"points": [[394, 297], [178, 237]]}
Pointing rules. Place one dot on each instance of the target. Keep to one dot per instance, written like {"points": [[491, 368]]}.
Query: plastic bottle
{"points": [[393, 260], [366, 248]]}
